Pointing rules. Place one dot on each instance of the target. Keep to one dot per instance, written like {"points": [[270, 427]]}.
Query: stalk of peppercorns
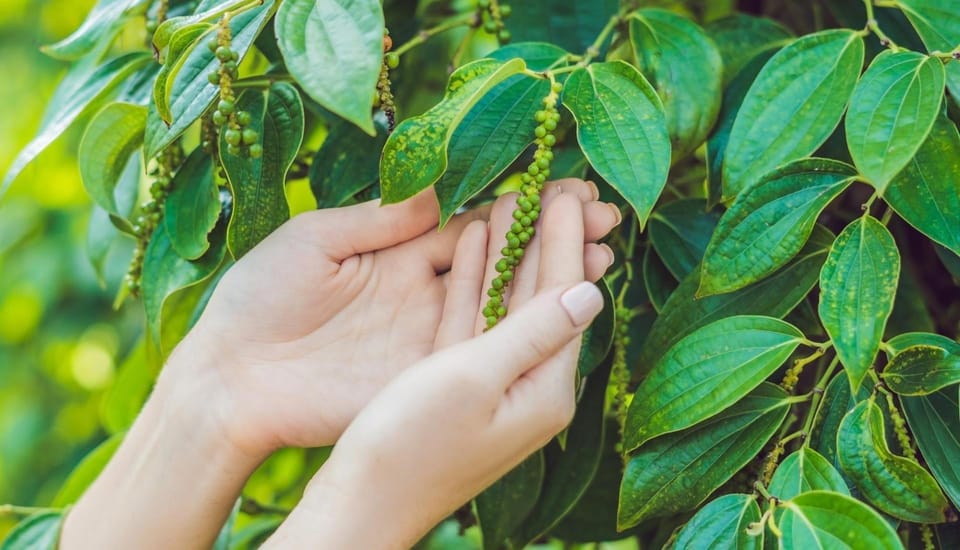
{"points": [[240, 138], [151, 212], [496, 13], [527, 210], [620, 373], [384, 98]]}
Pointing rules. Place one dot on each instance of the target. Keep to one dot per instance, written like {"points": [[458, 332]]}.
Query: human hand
{"points": [[308, 326], [458, 420]]}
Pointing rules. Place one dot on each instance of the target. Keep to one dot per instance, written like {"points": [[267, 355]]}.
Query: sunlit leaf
{"points": [[803, 471], [822, 519]]}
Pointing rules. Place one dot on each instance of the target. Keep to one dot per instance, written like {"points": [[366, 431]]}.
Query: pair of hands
{"points": [[358, 309]]}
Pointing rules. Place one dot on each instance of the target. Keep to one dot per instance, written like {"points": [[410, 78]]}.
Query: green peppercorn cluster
{"points": [[900, 428], [620, 373], [151, 212], [495, 14], [240, 138], [384, 96], [162, 8], [527, 210]]}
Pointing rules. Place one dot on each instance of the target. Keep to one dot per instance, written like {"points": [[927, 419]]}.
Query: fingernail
{"points": [[594, 190], [610, 253], [582, 302], [616, 211]]}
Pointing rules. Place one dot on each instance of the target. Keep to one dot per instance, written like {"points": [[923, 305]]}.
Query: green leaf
{"points": [[706, 372], [415, 155], [224, 536], [205, 12], [40, 531], [594, 517], [680, 231], [86, 471], [935, 426], [927, 193], [837, 402], [125, 397], [503, 506], [165, 272], [254, 532], [191, 94], [663, 42], [259, 202], [106, 18], [793, 106], [896, 485], [346, 163], [775, 296], [597, 339], [821, 519], [901, 342], [741, 38], [86, 97], [622, 130], [182, 44], [539, 56], [891, 113], [334, 48], [677, 472], [112, 136], [857, 287], [571, 24], [657, 280], [804, 471], [769, 223], [722, 523], [922, 370], [193, 206], [938, 25]]}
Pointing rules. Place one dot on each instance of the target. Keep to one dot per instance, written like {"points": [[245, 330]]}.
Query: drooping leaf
{"points": [[86, 471], [922, 370], [259, 200], [663, 42], [676, 472], [803, 471], [104, 19], [823, 519], [857, 287], [571, 24], [192, 207], [346, 163], [622, 130], [680, 231], [706, 372], [741, 38], [415, 155], [769, 223], [658, 282], [793, 106], [722, 523], [891, 113], [935, 425], [927, 193], [775, 296], [40, 531], [334, 48], [86, 97], [894, 484], [597, 339], [503, 506]]}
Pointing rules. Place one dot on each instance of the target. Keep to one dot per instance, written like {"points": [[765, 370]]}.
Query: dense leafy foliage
{"points": [[778, 363]]}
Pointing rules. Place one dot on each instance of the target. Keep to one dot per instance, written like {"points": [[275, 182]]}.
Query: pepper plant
{"points": [[777, 365]]}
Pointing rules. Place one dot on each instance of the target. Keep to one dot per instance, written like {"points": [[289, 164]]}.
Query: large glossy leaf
{"points": [[722, 523], [896, 485], [921, 370], [40, 531], [857, 288], [741, 38], [902, 342], [84, 98], [775, 296], [822, 519], [622, 130], [110, 139], [677, 472], [105, 19], [86, 471], [571, 24], [891, 113], [680, 231], [503, 506], [684, 66], [938, 24], [935, 425], [706, 372], [334, 48], [259, 201], [927, 193], [415, 155], [769, 223], [793, 106], [836, 403], [803, 471], [193, 206], [346, 163]]}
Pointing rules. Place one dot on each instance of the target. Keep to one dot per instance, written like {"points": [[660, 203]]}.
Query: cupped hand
{"points": [[307, 327], [456, 421]]}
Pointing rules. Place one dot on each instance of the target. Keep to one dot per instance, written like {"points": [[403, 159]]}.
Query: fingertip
{"points": [[582, 302]]}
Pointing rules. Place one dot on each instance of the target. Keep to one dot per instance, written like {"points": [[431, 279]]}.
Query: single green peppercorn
{"points": [[232, 137], [255, 151], [504, 36], [243, 118], [219, 118], [392, 59], [225, 106], [233, 150], [214, 78], [505, 10], [223, 53], [249, 136]]}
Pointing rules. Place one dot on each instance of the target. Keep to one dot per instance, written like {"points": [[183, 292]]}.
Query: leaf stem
{"points": [[14, 510], [874, 27], [815, 403], [262, 81], [594, 49], [464, 19]]}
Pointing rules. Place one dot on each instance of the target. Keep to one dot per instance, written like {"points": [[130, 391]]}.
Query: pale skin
{"points": [[360, 326]]}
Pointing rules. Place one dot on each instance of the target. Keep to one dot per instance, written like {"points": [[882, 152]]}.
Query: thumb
{"points": [[539, 329]]}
